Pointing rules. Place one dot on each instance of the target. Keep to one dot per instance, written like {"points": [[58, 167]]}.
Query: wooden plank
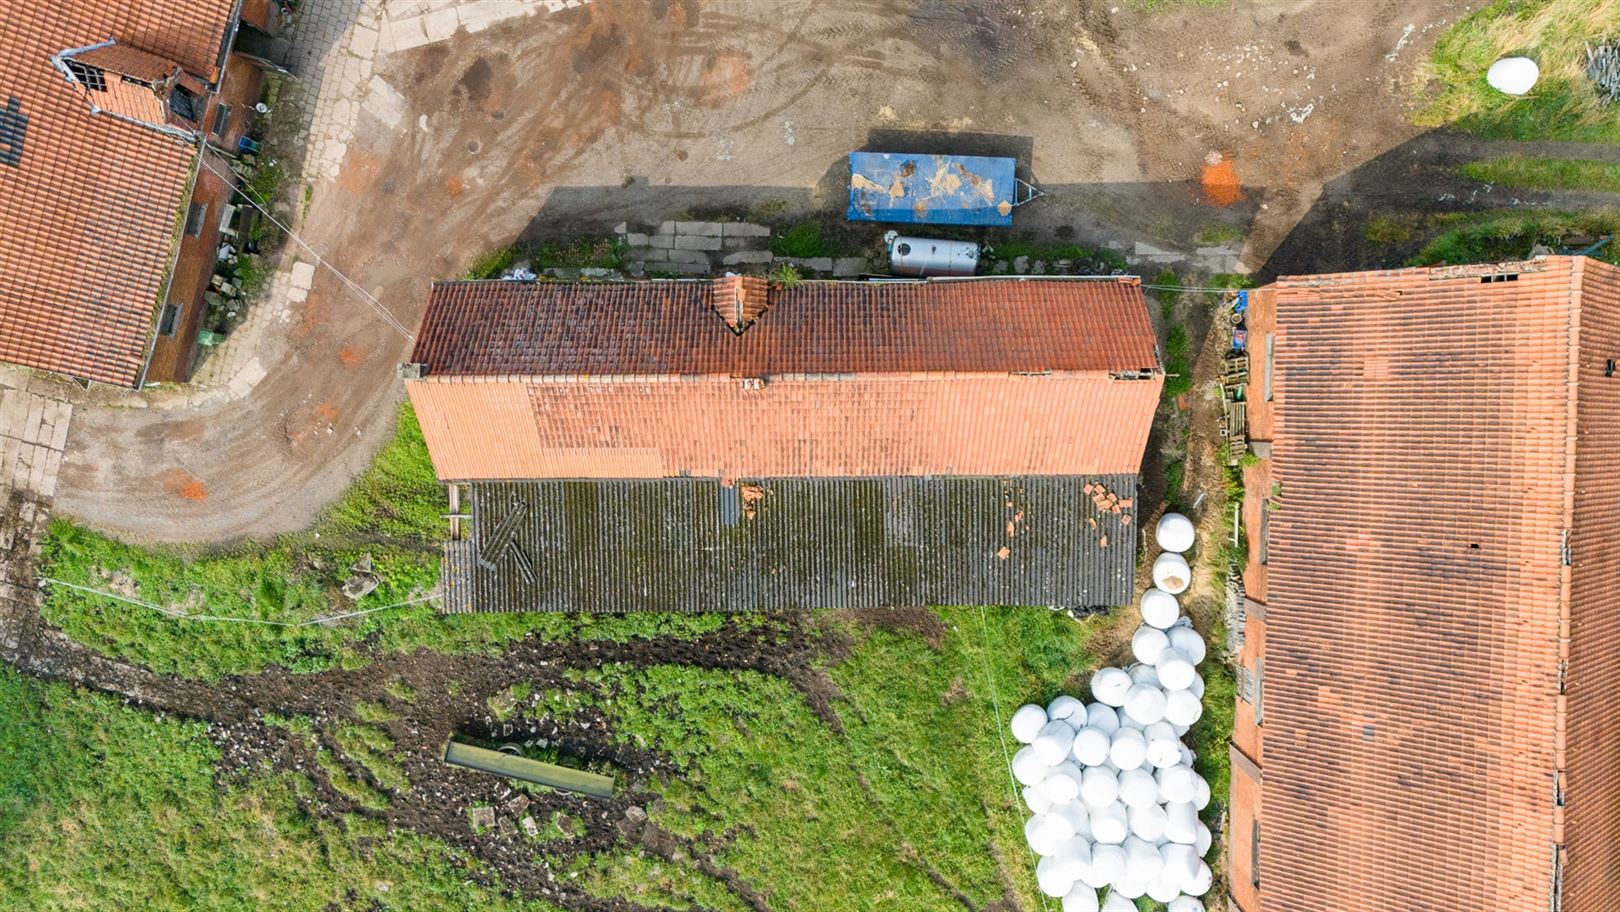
{"points": [[548, 774]]}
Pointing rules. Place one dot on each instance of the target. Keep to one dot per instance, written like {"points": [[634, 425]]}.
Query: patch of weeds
{"points": [[1390, 229], [375, 713], [1535, 173], [505, 703], [1218, 234], [591, 252], [1511, 235], [400, 691], [786, 275], [1168, 291], [252, 275], [1563, 105], [1177, 363], [1087, 260], [309, 199], [265, 182], [374, 750], [491, 265], [348, 786], [802, 240], [1175, 477]]}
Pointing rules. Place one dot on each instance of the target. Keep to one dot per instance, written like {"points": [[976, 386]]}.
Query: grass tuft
{"points": [[1533, 173]]}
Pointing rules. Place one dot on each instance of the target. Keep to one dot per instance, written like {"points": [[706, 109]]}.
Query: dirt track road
{"points": [[569, 123]]}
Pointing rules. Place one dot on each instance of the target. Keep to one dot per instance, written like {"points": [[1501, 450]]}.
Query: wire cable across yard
{"points": [[182, 616], [375, 304]]}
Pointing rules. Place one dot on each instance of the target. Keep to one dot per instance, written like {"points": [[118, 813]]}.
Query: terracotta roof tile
{"points": [[1429, 462], [90, 205], [839, 380]]}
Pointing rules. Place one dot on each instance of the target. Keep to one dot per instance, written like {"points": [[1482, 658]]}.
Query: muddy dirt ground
{"points": [[564, 125]]}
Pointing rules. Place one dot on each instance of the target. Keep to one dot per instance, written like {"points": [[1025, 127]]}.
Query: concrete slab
{"points": [[696, 242]]}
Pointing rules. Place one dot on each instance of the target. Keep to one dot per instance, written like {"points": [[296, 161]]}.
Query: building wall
{"points": [[1260, 321], [1592, 685], [174, 352]]}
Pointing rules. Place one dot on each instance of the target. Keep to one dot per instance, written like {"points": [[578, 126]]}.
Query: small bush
{"points": [[802, 240]]}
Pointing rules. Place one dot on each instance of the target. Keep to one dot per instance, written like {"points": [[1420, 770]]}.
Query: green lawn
{"points": [[1562, 106], [107, 807], [1532, 173]]}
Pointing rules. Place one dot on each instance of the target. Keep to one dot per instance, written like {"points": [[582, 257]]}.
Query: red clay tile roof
{"points": [[129, 61], [551, 328], [646, 380], [1437, 433], [90, 205]]}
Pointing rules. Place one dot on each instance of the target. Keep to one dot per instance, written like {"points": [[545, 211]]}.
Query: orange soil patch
{"points": [[181, 483], [313, 313], [453, 183], [360, 172], [327, 412], [1220, 181], [724, 78], [352, 357]]}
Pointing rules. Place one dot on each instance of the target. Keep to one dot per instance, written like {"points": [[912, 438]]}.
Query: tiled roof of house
{"points": [[1000, 325], [648, 380], [90, 205], [688, 544], [1442, 693]]}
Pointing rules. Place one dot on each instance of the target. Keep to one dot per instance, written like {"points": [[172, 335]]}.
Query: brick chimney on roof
{"points": [[739, 300]]}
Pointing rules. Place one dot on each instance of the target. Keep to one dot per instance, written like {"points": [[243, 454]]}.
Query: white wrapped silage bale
{"points": [[1189, 642], [1176, 784], [1027, 766], [1186, 756], [1142, 861], [1078, 817], [1082, 898], [1027, 721], [1205, 840], [1184, 904], [1159, 608], [1197, 686], [1091, 746], [1107, 864], [1035, 797], [1128, 749], [1129, 887], [1513, 75], [1201, 881], [1147, 823], [1181, 707], [1042, 840], [1181, 730], [1099, 788], [1171, 573], [1181, 823], [1109, 686], [1137, 788], [1143, 674], [1103, 717], [1050, 876], [1175, 671], [1147, 642], [1062, 784], [1163, 744], [1118, 903], [1201, 794], [1144, 703], [1180, 863], [1109, 825], [1063, 706], [1163, 889], [1074, 859], [1053, 743], [1175, 532]]}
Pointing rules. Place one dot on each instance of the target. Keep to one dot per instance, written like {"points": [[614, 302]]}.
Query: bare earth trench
{"points": [[566, 124]]}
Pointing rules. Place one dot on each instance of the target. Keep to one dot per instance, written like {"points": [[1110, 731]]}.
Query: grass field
{"points": [[107, 807], [1562, 106], [1532, 173], [393, 512]]}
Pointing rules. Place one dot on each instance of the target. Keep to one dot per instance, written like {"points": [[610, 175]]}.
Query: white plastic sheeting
{"points": [[1110, 786]]}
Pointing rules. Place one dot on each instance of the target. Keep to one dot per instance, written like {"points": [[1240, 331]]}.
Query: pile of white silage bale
{"points": [[1111, 787]]}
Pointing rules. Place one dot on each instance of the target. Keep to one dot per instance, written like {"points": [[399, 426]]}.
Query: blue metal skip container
{"points": [[920, 189]]}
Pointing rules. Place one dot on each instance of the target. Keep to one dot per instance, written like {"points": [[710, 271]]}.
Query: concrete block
{"points": [[744, 229], [741, 243], [621, 228], [847, 267], [666, 228], [746, 258], [690, 269], [819, 264], [706, 229], [665, 241], [634, 239], [689, 256], [696, 242]]}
